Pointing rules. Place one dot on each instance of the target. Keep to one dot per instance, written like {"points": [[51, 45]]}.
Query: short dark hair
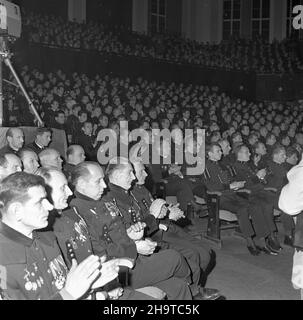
{"points": [[239, 148], [290, 151], [41, 130], [81, 112], [209, 147], [15, 188], [277, 149], [59, 112]]}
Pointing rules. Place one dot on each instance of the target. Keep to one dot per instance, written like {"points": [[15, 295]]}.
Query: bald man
{"points": [[9, 164], [111, 236], [74, 155], [50, 158], [29, 160], [14, 139]]}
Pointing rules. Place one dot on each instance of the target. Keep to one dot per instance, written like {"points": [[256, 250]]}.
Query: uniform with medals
{"points": [[175, 237], [131, 212], [108, 234], [34, 268], [70, 226]]}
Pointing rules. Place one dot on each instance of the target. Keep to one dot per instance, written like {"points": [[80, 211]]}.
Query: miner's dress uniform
{"points": [[217, 179], [132, 213], [243, 172], [70, 226], [108, 235], [175, 236], [31, 269]]}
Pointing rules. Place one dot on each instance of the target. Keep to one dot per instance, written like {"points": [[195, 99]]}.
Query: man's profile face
{"points": [[293, 159], [60, 118], [79, 155], [34, 212], [45, 139], [215, 154], [126, 176], [14, 164], [94, 185], [245, 154], [225, 146], [55, 160], [60, 190], [30, 162], [17, 139]]}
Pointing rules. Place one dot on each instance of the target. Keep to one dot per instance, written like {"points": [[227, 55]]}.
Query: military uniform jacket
{"points": [[106, 227], [31, 269], [243, 172], [70, 226], [128, 205], [215, 178], [144, 199], [33, 146], [7, 149], [277, 176]]}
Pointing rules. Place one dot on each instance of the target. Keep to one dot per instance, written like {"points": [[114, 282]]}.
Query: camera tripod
{"points": [[5, 57]]}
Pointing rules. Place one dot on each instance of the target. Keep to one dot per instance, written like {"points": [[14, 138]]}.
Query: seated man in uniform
{"points": [[68, 226], [120, 175], [50, 158], [175, 184], [34, 266], [42, 139], [276, 178], [14, 139], [74, 155], [165, 230], [255, 182], [9, 163], [29, 160], [108, 229], [218, 180], [292, 158]]}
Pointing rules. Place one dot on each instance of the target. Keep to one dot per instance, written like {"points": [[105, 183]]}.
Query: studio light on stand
{"points": [[10, 26]]}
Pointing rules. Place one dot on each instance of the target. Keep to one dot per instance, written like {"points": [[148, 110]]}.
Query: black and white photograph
{"points": [[151, 153]]}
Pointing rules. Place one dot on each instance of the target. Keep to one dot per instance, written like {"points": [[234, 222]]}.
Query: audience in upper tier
{"points": [[239, 54]]}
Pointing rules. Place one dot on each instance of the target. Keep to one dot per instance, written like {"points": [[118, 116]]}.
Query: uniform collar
{"points": [[16, 236], [81, 196], [212, 161], [242, 162], [38, 145], [115, 188], [276, 163], [137, 186], [12, 150], [12, 234]]}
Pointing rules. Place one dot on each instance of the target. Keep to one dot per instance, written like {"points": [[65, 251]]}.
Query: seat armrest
{"points": [[244, 191], [214, 193], [271, 189]]}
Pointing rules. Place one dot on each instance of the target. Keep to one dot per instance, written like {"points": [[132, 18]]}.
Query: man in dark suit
{"points": [[42, 140], [15, 141]]}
